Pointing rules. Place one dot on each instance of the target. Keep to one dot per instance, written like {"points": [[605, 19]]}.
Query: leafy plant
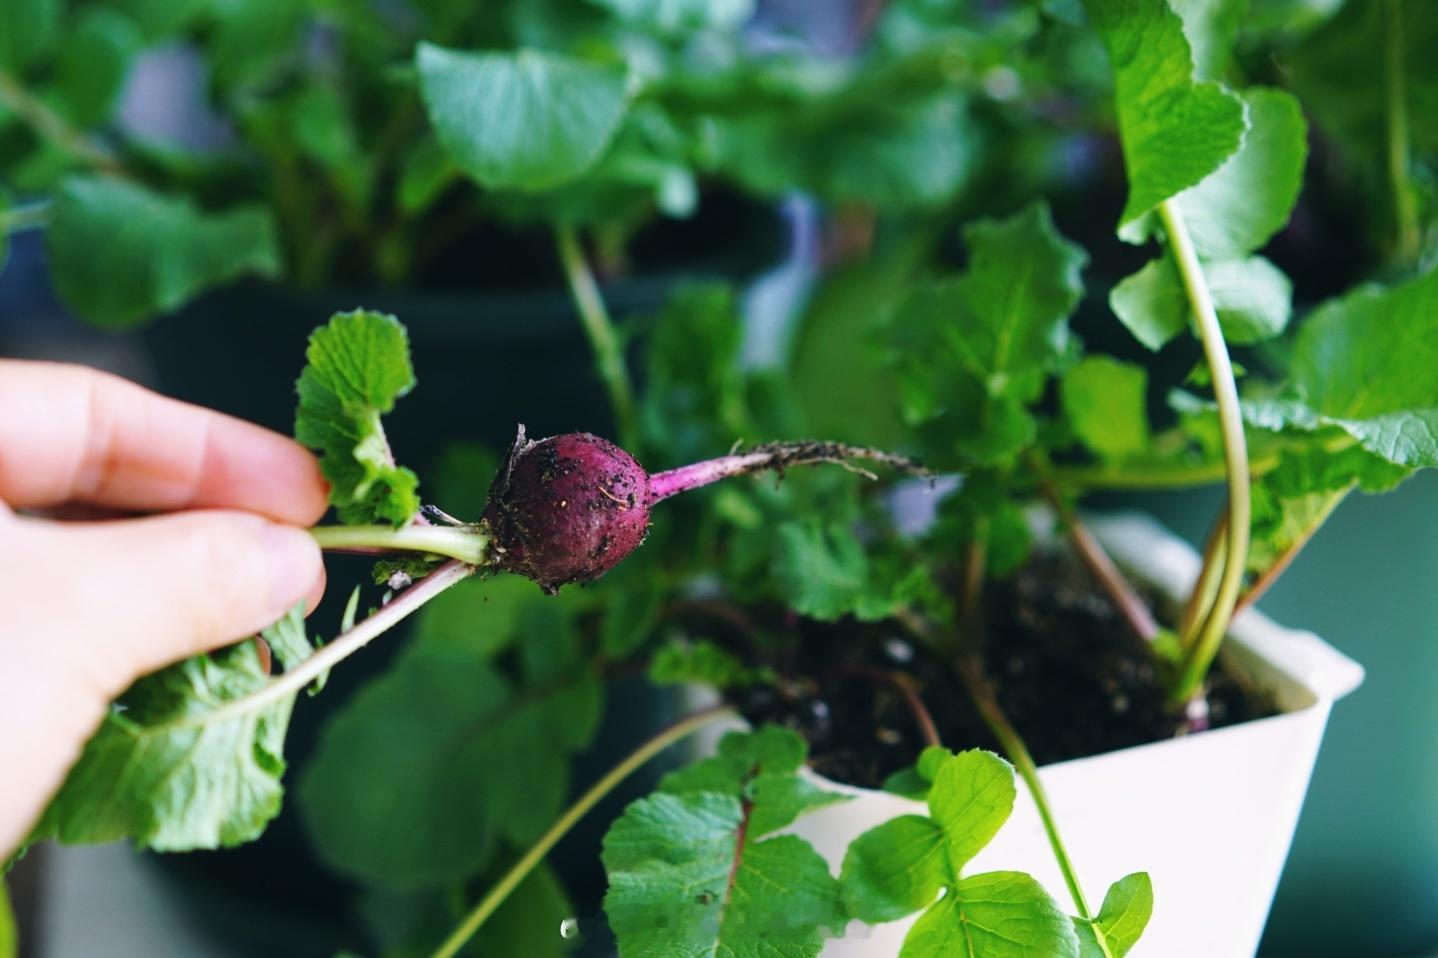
{"points": [[1003, 374]]}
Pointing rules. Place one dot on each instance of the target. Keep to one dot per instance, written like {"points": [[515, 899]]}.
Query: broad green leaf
{"points": [[1123, 917], [1253, 299], [433, 730], [27, 29], [914, 782], [9, 937], [1106, 402], [972, 797], [1175, 132], [1364, 363], [357, 365], [121, 254], [895, 869], [993, 915], [94, 63], [523, 120], [685, 878], [975, 351], [681, 16], [163, 773], [1211, 27], [1239, 208]]}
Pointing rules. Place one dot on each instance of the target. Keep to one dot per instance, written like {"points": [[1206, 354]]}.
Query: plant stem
{"points": [[343, 646], [463, 544], [517, 872], [1235, 457], [1013, 745], [53, 127], [608, 354], [1405, 208], [1157, 476], [1200, 599], [27, 217], [903, 685], [777, 456], [1126, 600]]}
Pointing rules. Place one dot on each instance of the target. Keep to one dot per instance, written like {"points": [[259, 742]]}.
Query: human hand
{"points": [[88, 607]]}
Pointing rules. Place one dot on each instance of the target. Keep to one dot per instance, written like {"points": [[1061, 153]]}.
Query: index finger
{"points": [[74, 434]]}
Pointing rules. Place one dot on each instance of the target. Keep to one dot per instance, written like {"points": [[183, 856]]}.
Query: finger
{"points": [[69, 433], [116, 600]]}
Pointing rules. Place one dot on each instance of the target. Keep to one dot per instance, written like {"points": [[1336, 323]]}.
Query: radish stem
{"points": [[464, 544]]}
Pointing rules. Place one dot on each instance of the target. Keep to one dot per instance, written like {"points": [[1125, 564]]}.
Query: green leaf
{"points": [[1246, 201], [1253, 299], [163, 773], [994, 915], [1125, 913], [1106, 402], [434, 729], [686, 878], [976, 351], [1364, 363], [27, 29], [525, 120], [673, 17], [357, 365], [1175, 132], [9, 937], [1211, 27], [824, 572], [895, 869], [972, 797], [702, 662], [95, 62], [121, 254]]}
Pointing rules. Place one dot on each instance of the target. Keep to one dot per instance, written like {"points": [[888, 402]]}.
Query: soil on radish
{"points": [[1071, 679]]}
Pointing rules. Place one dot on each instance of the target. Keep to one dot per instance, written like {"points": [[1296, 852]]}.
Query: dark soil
{"points": [[1069, 676]]}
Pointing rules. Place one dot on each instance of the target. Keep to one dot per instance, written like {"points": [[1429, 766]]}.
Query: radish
{"points": [[569, 508]]}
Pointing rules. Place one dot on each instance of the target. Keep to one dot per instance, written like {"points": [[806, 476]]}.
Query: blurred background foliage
{"points": [[187, 187]]}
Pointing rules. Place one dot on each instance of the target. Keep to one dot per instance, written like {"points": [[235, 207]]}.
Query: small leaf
{"points": [[993, 915], [161, 772], [1126, 911], [95, 62], [357, 366], [1175, 132], [1253, 299], [120, 254], [524, 120], [972, 797], [702, 662], [1106, 402], [895, 869]]}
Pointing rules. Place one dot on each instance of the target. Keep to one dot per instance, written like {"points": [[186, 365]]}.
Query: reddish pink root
{"points": [[776, 456]]}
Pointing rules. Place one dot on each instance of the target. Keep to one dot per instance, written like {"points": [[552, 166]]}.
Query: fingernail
{"points": [[293, 561]]}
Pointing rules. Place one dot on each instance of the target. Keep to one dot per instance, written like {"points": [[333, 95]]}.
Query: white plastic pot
{"points": [[1210, 817]]}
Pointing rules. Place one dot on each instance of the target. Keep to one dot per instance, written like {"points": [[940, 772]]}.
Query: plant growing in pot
{"points": [[852, 640]]}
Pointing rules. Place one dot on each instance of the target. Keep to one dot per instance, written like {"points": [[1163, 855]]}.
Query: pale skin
{"points": [[208, 547]]}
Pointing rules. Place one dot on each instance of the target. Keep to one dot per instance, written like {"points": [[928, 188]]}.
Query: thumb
{"points": [[124, 598]]}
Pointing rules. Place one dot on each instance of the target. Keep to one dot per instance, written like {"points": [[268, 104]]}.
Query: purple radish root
{"points": [[571, 507]]}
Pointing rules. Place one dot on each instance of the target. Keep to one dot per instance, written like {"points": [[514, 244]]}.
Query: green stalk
{"points": [[521, 869], [1405, 207], [53, 127], [608, 354], [1235, 456], [1013, 745], [463, 544]]}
